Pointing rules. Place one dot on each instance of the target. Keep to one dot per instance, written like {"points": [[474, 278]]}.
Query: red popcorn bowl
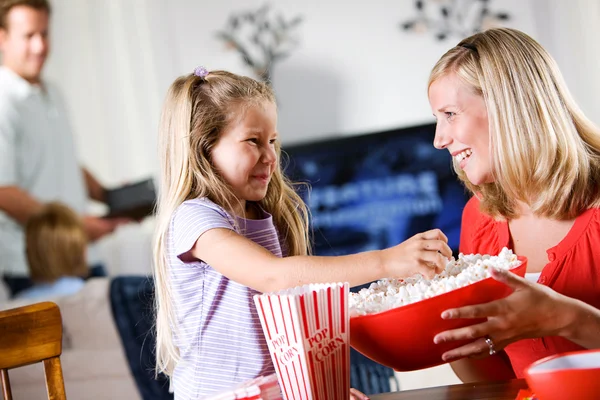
{"points": [[402, 338], [573, 375]]}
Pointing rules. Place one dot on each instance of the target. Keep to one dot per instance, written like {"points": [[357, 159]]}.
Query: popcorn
{"points": [[386, 294]]}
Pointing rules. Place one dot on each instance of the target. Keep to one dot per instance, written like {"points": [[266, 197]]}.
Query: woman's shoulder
{"points": [[479, 231], [590, 222], [472, 211], [595, 211]]}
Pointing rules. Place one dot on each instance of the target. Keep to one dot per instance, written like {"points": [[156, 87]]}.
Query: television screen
{"points": [[374, 191]]}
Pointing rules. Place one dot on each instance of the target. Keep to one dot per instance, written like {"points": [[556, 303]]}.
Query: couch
{"points": [[93, 360]]}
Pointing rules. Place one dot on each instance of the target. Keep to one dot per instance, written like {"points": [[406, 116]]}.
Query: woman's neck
{"points": [[523, 209]]}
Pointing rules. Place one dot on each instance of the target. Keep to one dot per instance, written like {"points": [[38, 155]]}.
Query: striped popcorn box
{"points": [[307, 331]]}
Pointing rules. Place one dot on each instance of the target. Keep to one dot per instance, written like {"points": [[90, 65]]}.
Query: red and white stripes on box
{"points": [[307, 331]]}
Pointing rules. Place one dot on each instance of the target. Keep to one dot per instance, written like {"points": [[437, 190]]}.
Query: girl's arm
{"points": [[245, 262]]}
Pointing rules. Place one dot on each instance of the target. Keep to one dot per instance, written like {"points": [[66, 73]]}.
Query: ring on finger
{"points": [[490, 343]]}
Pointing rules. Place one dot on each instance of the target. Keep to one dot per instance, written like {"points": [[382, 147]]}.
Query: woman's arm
{"points": [[531, 311], [246, 262], [492, 368], [584, 325]]}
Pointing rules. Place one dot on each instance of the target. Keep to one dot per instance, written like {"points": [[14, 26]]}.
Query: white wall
{"points": [[569, 30], [355, 71]]}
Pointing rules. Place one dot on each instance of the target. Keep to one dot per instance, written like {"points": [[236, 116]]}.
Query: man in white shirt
{"points": [[38, 163]]}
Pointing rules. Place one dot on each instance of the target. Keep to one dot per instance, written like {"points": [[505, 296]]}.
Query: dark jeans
{"points": [[17, 284]]}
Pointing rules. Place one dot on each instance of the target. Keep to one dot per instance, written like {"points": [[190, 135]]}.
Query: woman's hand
{"points": [[356, 395], [425, 253], [531, 311]]}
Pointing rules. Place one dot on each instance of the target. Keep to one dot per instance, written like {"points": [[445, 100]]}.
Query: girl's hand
{"points": [[356, 395], [425, 253], [531, 311]]}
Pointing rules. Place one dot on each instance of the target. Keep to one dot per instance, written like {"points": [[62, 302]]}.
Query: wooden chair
{"points": [[28, 335]]}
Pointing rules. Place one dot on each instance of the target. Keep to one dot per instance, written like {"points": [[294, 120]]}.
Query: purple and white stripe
{"points": [[220, 338]]}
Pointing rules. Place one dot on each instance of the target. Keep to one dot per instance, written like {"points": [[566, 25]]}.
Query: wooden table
{"points": [[504, 390]]}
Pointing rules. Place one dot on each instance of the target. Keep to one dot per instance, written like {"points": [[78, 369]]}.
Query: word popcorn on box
{"points": [[307, 331]]}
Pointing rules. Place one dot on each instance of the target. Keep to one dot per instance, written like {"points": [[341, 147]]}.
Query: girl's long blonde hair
{"points": [[544, 151], [195, 112]]}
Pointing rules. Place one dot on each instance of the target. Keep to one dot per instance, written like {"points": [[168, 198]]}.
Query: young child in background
{"points": [[56, 244], [229, 226]]}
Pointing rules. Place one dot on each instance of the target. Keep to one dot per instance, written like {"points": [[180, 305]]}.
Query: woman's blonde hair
{"points": [[56, 243], [195, 112], [544, 151]]}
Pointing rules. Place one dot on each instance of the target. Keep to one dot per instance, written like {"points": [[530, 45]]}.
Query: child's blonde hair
{"points": [[56, 244], [544, 151], [195, 112]]}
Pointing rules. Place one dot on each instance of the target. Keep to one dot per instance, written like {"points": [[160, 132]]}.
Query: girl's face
{"points": [[462, 127], [245, 153]]}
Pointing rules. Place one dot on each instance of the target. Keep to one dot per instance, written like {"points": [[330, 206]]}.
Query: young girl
{"points": [[56, 246], [230, 226]]}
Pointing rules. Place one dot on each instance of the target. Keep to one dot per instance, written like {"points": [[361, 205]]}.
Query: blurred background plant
{"points": [[261, 37], [445, 18]]}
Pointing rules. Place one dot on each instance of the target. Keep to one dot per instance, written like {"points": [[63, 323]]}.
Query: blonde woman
{"points": [[230, 226], [56, 246], [532, 160]]}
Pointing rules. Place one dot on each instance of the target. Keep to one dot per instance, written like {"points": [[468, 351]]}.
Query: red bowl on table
{"points": [[402, 338], [573, 375]]}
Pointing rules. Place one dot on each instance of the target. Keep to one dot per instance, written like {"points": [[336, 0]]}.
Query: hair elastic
{"points": [[200, 71]]}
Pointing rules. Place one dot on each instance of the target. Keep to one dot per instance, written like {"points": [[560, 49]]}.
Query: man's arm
{"points": [[18, 204], [94, 189], [14, 201]]}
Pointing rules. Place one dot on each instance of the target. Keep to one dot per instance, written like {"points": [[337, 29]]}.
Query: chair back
{"points": [[132, 301], [28, 335]]}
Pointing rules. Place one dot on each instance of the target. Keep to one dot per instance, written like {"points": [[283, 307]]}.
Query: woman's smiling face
{"points": [[462, 127]]}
